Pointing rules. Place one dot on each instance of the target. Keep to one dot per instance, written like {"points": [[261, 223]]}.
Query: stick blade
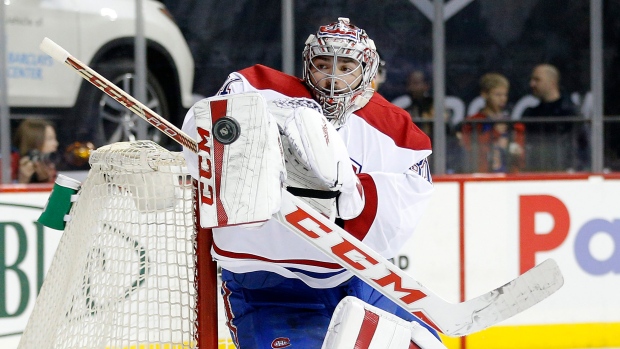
{"points": [[512, 298]]}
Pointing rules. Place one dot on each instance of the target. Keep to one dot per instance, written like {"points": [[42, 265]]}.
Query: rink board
{"points": [[485, 229]]}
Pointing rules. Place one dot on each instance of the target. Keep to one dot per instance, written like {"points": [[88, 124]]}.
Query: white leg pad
{"points": [[356, 324], [241, 179]]}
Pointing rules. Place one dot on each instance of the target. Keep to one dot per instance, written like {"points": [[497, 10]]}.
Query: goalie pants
{"points": [[267, 310]]}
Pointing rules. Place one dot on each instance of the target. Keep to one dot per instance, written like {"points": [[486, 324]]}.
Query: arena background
{"points": [[481, 36]]}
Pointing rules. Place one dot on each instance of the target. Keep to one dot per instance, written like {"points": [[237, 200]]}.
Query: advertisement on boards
{"points": [[475, 236]]}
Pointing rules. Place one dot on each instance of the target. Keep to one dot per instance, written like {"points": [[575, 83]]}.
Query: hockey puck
{"points": [[226, 130]]}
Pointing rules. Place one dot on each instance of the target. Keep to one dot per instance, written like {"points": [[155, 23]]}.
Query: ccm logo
{"points": [[111, 92], [352, 256], [157, 123], [281, 342], [101, 84], [205, 166]]}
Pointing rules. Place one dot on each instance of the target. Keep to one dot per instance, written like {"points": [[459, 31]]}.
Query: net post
{"points": [[206, 283]]}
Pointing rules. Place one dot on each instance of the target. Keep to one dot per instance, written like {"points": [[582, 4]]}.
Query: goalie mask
{"points": [[340, 91]]}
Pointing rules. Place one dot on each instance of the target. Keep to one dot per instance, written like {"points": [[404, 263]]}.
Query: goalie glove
{"points": [[357, 324], [317, 161]]}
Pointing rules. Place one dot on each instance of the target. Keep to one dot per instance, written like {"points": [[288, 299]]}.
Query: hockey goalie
{"points": [[308, 185], [350, 155]]}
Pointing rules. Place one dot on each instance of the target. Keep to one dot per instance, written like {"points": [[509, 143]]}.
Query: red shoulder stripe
{"points": [[265, 78], [379, 113], [395, 123]]}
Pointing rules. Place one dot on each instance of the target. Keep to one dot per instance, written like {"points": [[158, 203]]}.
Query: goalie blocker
{"points": [[241, 167]]}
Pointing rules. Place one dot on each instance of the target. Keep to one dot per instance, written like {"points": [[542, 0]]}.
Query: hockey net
{"points": [[126, 271]]}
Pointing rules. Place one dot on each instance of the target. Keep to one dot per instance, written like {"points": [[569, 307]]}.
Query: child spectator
{"points": [[493, 146]]}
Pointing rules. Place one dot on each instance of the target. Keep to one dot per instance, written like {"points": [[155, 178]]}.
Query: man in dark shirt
{"points": [[417, 94], [555, 145]]}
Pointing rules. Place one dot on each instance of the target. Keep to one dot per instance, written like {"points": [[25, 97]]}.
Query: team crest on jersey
{"points": [[423, 169], [280, 342], [225, 90]]}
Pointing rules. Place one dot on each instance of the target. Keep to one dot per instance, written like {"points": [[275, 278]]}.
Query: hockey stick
{"points": [[61, 55], [453, 319]]}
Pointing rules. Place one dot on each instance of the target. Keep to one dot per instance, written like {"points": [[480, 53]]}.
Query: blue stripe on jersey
{"points": [[316, 275]]}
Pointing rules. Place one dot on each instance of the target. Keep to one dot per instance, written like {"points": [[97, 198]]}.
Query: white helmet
{"points": [[338, 40]]}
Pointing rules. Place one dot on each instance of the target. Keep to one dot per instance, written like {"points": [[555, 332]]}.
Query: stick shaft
{"points": [[124, 98], [452, 319]]}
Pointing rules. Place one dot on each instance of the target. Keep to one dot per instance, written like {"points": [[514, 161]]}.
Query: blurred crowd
{"points": [[548, 135]]}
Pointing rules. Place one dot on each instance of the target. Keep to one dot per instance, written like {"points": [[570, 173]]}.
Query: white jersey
{"points": [[389, 154]]}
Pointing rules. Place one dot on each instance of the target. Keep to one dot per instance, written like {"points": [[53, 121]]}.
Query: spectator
{"points": [[425, 120], [417, 91], [493, 146], [555, 143], [545, 85], [426, 123], [36, 143]]}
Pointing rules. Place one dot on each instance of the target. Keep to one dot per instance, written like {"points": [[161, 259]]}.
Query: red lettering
{"points": [[205, 136], [111, 91], [205, 171], [393, 278], [155, 121], [74, 64], [204, 198], [345, 246], [152, 120], [299, 215], [107, 89], [532, 241], [95, 81], [125, 101]]}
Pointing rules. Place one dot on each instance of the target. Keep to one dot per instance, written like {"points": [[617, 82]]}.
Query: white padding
{"points": [[348, 323], [240, 182], [353, 325], [314, 146], [316, 156]]}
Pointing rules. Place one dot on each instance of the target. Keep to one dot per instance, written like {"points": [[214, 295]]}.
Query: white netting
{"points": [[122, 276]]}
